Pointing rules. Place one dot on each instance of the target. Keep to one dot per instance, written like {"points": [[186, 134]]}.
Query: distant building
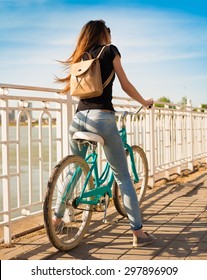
{"points": [[12, 115]]}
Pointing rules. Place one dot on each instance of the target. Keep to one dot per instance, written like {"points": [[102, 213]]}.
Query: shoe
{"points": [[143, 241]]}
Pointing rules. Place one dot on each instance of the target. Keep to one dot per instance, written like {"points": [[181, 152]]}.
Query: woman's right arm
{"points": [[126, 85]]}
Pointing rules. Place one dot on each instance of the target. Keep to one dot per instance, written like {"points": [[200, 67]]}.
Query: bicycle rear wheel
{"points": [[141, 166], [64, 186]]}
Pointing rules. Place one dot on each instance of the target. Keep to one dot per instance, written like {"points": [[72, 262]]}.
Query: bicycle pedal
{"points": [[105, 221]]}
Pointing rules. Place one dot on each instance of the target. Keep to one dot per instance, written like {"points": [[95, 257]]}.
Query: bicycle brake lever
{"points": [[138, 110], [124, 114]]}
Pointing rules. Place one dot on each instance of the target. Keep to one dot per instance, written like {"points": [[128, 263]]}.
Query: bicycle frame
{"points": [[128, 148], [93, 196]]}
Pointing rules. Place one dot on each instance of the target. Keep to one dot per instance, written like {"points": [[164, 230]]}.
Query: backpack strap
{"points": [[97, 57], [100, 52], [112, 73], [109, 79]]}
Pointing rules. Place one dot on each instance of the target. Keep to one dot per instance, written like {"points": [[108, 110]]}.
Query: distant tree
{"points": [[184, 101], [164, 100], [204, 106]]}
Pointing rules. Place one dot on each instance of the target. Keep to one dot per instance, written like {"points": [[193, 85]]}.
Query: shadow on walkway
{"points": [[175, 213]]}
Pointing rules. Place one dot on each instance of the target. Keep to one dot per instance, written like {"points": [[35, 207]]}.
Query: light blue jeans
{"points": [[104, 123]]}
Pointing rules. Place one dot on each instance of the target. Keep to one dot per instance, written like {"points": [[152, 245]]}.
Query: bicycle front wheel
{"points": [[64, 187], [141, 167]]}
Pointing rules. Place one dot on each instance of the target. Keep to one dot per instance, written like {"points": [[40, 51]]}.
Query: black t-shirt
{"points": [[106, 63]]}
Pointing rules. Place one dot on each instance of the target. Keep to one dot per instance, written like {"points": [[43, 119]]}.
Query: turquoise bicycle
{"points": [[76, 189]]}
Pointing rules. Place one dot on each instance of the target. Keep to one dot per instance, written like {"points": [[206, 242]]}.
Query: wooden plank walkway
{"points": [[176, 213]]}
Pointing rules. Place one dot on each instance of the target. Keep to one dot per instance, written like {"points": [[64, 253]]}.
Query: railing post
{"points": [[63, 118], [66, 119], [178, 139], [151, 182], [191, 134], [167, 132], [5, 168]]}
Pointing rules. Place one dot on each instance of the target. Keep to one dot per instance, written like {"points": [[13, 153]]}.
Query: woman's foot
{"points": [[57, 223], [142, 239]]}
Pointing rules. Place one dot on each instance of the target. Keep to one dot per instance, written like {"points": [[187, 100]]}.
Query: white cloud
{"points": [[162, 52]]}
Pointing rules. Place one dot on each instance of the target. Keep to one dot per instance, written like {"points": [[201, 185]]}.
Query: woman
{"points": [[97, 115]]}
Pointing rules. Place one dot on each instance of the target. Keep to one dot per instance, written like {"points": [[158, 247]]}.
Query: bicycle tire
{"points": [[141, 165], [75, 222]]}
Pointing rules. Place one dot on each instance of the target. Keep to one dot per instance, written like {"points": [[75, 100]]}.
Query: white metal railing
{"points": [[34, 136]]}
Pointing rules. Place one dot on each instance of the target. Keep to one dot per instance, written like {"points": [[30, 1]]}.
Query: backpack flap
{"points": [[81, 67], [85, 80]]}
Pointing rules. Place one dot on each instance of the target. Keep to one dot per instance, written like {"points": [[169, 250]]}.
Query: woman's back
{"points": [[106, 63]]}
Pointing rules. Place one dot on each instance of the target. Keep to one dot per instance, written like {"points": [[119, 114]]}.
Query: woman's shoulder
{"points": [[113, 50]]}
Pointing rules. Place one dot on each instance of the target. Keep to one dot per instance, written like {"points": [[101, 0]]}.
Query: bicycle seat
{"points": [[89, 136]]}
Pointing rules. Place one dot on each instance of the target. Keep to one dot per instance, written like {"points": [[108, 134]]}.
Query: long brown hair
{"points": [[93, 32]]}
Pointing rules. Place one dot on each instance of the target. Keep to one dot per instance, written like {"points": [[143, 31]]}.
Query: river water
{"points": [[23, 183]]}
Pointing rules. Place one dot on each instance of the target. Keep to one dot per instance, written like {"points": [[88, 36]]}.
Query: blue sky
{"points": [[163, 43]]}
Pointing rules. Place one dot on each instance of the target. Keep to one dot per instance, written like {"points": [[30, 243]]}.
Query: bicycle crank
{"points": [[106, 204]]}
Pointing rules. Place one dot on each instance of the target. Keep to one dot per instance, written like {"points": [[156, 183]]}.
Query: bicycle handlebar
{"points": [[125, 113], [139, 109]]}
